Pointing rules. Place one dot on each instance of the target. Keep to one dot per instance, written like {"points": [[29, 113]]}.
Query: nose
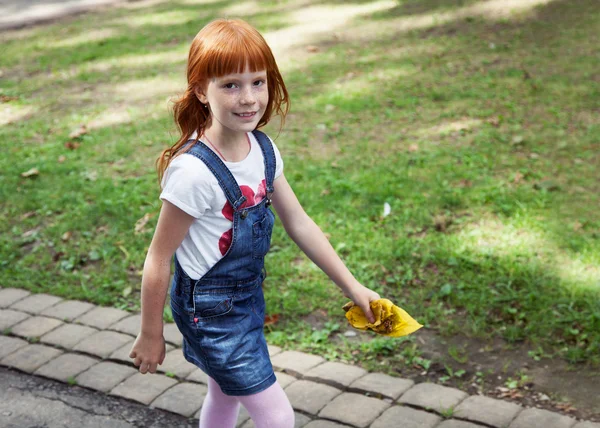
{"points": [[247, 96]]}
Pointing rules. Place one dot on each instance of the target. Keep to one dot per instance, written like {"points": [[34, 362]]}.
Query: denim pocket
{"points": [[261, 235], [209, 305]]}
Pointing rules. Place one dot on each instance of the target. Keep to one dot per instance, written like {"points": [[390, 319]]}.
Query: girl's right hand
{"points": [[148, 352]]}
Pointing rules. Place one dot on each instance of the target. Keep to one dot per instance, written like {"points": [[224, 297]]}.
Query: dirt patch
{"points": [[493, 368]]}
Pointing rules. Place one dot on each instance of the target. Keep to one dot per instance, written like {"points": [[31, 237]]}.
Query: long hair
{"points": [[224, 46]]}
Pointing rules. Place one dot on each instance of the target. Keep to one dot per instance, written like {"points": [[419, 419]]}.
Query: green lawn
{"points": [[480, 129]]}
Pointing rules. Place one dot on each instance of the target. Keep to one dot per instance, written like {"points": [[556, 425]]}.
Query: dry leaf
{"points": [[577, 226], [31, 173], [78, 132], [518, 177], [141, 223], [390, 320], [413, 148], [271, 319], [325, 192], [28, 214], [72, 145], [312, 48], [66, 236], [61, 159]]}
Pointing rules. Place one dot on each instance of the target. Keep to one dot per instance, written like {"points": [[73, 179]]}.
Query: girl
{"points": [[218, 182]]}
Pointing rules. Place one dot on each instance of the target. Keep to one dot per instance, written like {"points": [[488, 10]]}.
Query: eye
{"points": [[229, 85], [259, 82]]}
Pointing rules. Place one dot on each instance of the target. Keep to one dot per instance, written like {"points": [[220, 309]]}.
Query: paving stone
{"points": [[184, 398], [300, 421], [8, 345], [172, 334], [101, 318], [411, 418], [176, 364], [8, 318], [382, 384], [273, 350], [295, 362], [541, 418], [284, 379], [337, 374], [432, 396], [310, 397], [68, 310], [198, 376], [320, 423], [35, 326], [587, 425], [35, 303], [354, 409], [143, 388], [31, 357], [455, 423], [68, 335], [66, 366], [129, 325], [8, 296], [122, 353], [490, 411], [103, 343], [104, 376], [243, 417]]}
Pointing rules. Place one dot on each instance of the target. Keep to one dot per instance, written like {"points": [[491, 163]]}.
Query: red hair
{"points": [[224, 46]]}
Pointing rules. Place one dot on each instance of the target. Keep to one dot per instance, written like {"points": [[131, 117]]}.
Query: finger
{"points": [[137, 362], [144, 368], [152, 368], [368, 313], [162, 357], [132, 354]]}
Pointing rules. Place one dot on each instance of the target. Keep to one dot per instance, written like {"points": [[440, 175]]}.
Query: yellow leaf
{"points": [[390, 320]]}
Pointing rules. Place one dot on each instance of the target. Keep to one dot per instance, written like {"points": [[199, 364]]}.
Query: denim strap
{"points": [[220, 171], [269, 156]]}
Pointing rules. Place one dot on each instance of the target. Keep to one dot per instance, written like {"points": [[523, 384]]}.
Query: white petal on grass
{"points": [[387, 209]]}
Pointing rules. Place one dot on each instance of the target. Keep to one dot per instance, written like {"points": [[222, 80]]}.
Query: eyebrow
{"points": [[237, 77]]}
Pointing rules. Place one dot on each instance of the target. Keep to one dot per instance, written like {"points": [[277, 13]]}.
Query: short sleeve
{"points": [[278, 161], [187, 184]]}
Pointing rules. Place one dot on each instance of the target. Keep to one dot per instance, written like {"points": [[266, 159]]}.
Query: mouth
{"points": [[246, 114]]}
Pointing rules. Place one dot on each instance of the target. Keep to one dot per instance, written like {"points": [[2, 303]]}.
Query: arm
{"points": [[311, 240], [149, 348]]}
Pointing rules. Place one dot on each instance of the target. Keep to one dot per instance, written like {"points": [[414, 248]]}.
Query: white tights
{"points": [[268, 409]]}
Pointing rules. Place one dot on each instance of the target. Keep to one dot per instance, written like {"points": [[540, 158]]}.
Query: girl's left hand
{"points": [[362, 296]]}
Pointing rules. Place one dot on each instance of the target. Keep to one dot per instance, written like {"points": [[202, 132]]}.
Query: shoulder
{"points": [[187, 167]]}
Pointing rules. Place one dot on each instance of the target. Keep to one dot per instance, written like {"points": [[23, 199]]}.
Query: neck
{"points": [[231, 147]]}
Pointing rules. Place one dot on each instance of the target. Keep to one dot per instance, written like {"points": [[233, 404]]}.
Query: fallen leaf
{"points": [[518, 177], [325, 192], [413, 148], [66, 236], [61, 159], [127, 291], [271, 319], [31, 173], [78, 132], [577, 226], [141, 223], [28, 215], [390, 320], [72, 145], [312, 48], [387, 209]]}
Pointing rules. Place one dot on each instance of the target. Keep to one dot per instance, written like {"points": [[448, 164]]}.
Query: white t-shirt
{"points": [[190, 186]]}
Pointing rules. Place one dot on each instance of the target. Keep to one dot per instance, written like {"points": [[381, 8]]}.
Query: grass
{"points": [[480, 131]]}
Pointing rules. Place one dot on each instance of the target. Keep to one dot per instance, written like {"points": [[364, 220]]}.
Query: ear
{"points": [[200, 94]]}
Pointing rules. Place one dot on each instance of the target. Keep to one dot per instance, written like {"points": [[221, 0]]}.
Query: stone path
{"points": [[79, 343]]}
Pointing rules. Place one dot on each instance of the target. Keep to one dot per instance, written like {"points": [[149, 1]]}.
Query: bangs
{"points": [[234, 49]]}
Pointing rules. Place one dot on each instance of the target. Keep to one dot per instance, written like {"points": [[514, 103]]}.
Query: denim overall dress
{"points": [[221, 315]]}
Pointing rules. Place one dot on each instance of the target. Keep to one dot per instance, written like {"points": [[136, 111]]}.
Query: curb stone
{"points": [[356, 399]]}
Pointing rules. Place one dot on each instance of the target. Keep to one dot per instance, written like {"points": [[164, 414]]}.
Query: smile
{"points": [[250, 114]]}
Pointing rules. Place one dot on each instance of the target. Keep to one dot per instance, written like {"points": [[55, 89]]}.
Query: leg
{"points": [[218, 409], [269, 408]]}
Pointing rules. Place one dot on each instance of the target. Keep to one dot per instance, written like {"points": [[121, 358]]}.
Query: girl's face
{"points": [[236, 101]]}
